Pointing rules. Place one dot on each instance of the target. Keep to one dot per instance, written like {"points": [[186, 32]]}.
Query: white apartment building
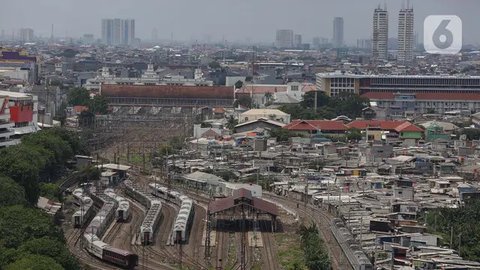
{"points": [[380, 34], [405, 35]]}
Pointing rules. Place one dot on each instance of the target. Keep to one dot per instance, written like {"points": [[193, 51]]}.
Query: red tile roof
{"points": [[80, 108], [167, 91], [219, 110], [311, 125], [408, 127], [398, 126]]}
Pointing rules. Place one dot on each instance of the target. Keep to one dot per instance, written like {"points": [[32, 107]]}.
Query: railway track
{"points": [[222, 249], [322, 220], [73, 237], [269, 252]]}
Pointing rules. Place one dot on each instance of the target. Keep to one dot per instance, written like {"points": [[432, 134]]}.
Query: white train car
{"points": [[184, 219], [104, 217], [123, 210], [96, 229], [183, 222], [150, 223], [86, 210], [153, 215], [137, 193]]}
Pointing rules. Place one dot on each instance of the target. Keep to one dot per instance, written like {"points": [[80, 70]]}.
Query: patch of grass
{"points": [[290, 254]]}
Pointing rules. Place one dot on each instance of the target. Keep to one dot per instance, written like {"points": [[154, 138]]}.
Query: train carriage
{"points": [[120, 257], [97, 228], [123, 210], [153, 215], [184, 219]]}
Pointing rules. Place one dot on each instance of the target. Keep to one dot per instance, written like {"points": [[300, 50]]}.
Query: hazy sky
{"points": [[235, 20]]}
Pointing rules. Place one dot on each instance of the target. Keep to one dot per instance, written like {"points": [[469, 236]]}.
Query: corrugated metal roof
{"points": [[229, 202]]}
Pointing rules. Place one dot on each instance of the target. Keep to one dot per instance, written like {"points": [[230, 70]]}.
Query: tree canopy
{"points": [[81, 97], [41, 157], [19, 224], [464, 222], [78, 97], [11, 193], [28, 237], [316, 255], [244, 100], [347, 104], [51, 248], [34, 262]]}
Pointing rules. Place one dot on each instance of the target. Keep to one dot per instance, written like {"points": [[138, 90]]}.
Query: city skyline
{"points": [[73, 19]]}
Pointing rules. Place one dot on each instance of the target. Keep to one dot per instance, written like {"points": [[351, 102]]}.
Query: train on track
{"points": [[356, 257], [80, 217], [154, 212], [184, 219], [123, 210], [96, 229]]}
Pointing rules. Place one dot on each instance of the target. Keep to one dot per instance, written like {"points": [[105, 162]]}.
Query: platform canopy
{"points": [[242, 197]]}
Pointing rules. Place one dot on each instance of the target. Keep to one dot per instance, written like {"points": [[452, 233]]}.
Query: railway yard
{"points": [[160, 246]]}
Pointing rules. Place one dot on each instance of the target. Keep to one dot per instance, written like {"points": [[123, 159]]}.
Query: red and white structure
{"points": [[22, 111]]}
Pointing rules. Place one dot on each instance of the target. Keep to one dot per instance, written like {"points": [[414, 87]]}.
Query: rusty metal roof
{"points": [[167, 91], [221, 205]]}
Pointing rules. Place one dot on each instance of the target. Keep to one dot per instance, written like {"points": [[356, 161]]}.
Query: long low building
{"points": [[168, 95], [410, 104], [407, 95]]}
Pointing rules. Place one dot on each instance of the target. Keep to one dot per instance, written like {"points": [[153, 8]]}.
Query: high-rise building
{"points": [[298, 41], [129, 32], [155, 34], [118, 31], [405, 35], [26, 35], [337, 39], [380, 34], [284, 39]]}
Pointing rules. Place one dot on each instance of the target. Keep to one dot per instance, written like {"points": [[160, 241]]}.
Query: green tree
{"points": [[50, 248], [316, 256], [243, 100], [78, 96], [348, 104], [238, 84], [7, 256], [231, 122], [98, 105], [55, 144], [282, 135], [34, 262], [354, 134], [69, 53], [464, 223], [11, 193], [431, 111], [22, 166], [472, 133], [296, 111], [19, 224], [86, 119], [51, 191], [78, 146], [214, 65], [309, 100], [268, 97]]}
